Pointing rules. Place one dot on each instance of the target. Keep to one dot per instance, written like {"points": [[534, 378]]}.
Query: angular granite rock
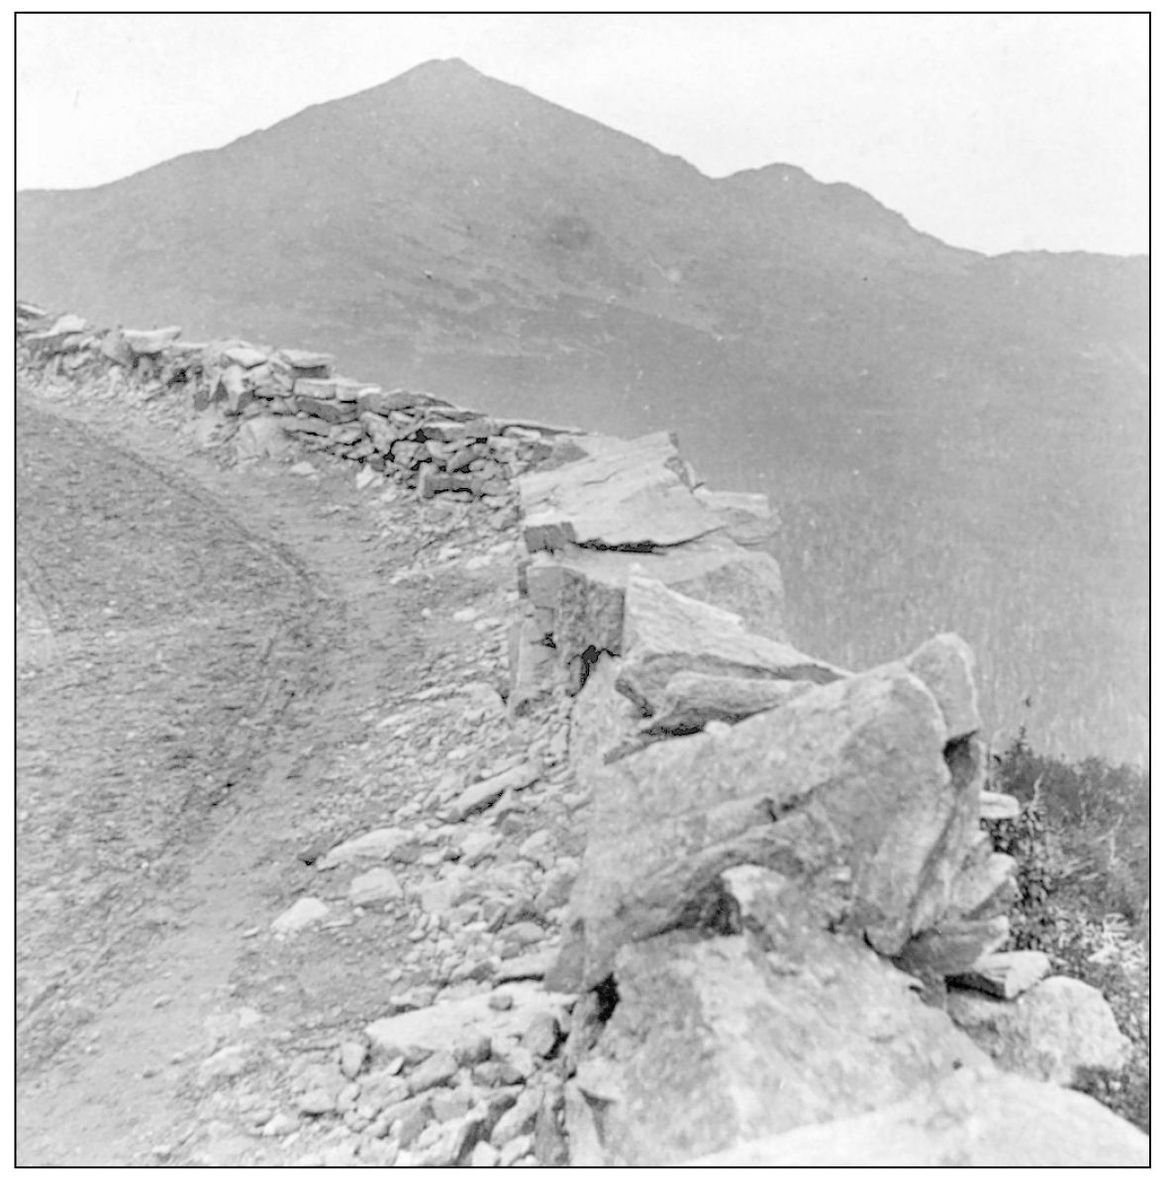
{"points": [[584, 588], [973, 1118], [985, 885], [848, 774], [945, 666], [1005, 974], [693, 699], [666, 632], [309, 363], [714, 1042], [1051, 1033], [262, 436], [953, 946], [531, 666], [748, 518], [151, 341], [447, 1025], [630, 495]]}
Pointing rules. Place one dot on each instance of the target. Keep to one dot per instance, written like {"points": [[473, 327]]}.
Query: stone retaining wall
{"points": [[428, 443]]}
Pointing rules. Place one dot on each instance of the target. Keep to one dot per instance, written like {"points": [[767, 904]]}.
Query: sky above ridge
{"points": [[993, 132]]}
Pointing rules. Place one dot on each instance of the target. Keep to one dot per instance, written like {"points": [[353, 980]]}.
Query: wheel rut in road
{"points": [[193, 640]]}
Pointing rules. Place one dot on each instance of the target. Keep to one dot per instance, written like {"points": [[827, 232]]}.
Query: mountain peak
{"points": [[441, 68]]}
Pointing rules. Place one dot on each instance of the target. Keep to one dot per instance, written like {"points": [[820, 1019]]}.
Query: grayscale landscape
{"points": [[530, 654]]}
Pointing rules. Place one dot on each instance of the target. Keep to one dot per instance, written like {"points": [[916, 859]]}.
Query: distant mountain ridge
{"points": [[930, 421]]}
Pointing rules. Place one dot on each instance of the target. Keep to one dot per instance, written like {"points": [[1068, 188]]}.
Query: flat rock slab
{"points": [[954, 945], [300, 915], [481, 795], [748, 518], [307, 360], [1051, 1033], [692, 699], [711, 1044], [973, 1118], [449, 1024], [151, 341], [583, 589], [373, 886], [630, 494], [993, 806], [378, 845], [245, 356], [1006, 974], [666, 632]]}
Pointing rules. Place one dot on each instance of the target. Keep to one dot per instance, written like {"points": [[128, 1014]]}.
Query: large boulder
{"points": [[1052, 1033], [692, 699], [584, 588], [846, 784], [973, 1118], [748, 518], [632, 495], [716, 1041], [945, 666], [666, 632]]}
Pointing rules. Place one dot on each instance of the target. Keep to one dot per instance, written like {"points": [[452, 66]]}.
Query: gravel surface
{"points": [[223, 674]]}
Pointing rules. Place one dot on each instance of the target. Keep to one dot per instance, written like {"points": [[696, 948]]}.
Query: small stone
{"points": [[518, 1120], [300, 915], [500, 1001], [449, 1105], [484, 1155], [481, 795], [352, 1058], [317, 1102], [542, 1036], [376, 885], [280, 1125], [479, 845], [516, 1148], [380, 844], [523, 933], [224, 1065], [303, 469], [473, 1050], [496, 1073], [437, 1070]]}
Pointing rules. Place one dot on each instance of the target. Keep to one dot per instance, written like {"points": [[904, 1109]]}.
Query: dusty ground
{"points": [[222, 672]]}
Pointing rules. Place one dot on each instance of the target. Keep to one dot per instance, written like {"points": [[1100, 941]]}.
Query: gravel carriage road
{"points": [[199, 648]]}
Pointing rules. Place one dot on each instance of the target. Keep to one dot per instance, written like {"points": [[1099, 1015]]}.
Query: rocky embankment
{"points": [[714, 900]]}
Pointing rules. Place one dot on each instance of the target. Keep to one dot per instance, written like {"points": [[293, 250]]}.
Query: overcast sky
{"points": [[994, 132]]}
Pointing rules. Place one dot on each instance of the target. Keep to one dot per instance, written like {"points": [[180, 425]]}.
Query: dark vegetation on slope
{"points": [[1084, 876], [952, 441]]}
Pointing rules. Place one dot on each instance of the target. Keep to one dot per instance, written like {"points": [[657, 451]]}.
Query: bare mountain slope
{"points": [[954, 440]]}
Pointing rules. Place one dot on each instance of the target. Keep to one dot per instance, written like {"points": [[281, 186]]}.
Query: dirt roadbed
{"points": [[208, 660]]}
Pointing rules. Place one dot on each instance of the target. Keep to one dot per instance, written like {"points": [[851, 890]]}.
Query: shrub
{"points": [[1082, 847]]}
